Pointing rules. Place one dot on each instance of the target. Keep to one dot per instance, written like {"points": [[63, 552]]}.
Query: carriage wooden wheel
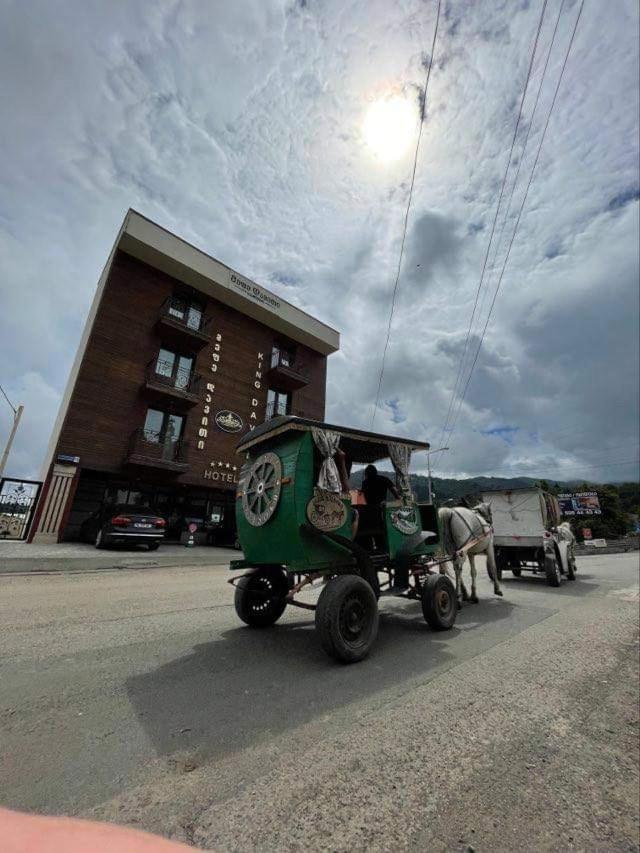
{"points": [[262, 492]]}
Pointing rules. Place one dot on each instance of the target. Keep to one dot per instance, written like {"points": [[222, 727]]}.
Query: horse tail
{"points": [[445, 515]]}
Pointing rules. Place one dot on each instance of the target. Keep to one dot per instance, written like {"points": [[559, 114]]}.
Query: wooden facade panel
{"points": [[108, 402]]}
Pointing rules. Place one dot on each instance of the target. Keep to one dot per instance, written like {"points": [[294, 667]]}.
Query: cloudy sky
{"points": [[246, 128]]}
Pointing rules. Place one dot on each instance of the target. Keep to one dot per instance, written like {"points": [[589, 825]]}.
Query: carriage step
{"points": [[380, 561]]}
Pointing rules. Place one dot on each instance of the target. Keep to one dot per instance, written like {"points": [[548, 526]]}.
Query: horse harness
{"points": [[472, 535]]}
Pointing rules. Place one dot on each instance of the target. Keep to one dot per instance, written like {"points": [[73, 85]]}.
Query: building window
{"points": [[278, 403], [162, 427], [176, 368], [189, 313], [282, 356]]}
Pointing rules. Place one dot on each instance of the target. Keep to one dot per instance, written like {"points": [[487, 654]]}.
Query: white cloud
{"points": [[241, 132]]}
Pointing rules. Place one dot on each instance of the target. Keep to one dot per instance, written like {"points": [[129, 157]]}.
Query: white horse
{"points": [[462, 526], [565, 533]]}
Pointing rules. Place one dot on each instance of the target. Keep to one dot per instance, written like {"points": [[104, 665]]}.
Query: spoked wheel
{"points": [[347, 618], [261, 597], [552, 570], [439, 605]]}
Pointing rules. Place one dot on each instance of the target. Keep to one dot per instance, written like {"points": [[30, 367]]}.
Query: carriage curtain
{"points": [[327, 443], [400, 455]]}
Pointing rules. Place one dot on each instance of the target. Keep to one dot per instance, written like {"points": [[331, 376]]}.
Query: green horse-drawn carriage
{"points": [[296, 524]]}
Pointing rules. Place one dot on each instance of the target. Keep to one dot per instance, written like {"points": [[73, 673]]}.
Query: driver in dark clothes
{"points": [[375, 486]]}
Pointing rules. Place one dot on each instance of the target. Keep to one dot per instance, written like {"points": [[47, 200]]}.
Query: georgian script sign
{"points": [[228, 421], [253, 291], [326, 511], [404, 520]]}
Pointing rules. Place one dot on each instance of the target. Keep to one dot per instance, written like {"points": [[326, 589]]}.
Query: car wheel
{"points": [[552, 570], [261, 597], [347, 618], [439, 604], [153, 546]]}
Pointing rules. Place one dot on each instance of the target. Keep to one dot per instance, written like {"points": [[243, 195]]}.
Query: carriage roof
{"points": [[359, 445]]}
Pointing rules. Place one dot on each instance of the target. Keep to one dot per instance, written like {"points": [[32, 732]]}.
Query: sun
{"points": [[388, 128]]}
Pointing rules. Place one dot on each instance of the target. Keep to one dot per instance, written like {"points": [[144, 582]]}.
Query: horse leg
{"points": [[457, 567], [463, 589], [472, 566], [493, 571]]}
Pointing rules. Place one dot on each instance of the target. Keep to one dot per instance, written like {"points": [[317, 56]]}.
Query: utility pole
{"points": [[17, 414], [429, 452]]}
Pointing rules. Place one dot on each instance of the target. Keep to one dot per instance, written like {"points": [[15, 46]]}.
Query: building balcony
{"points": [[152, 450], [182, 323], [285, 374], [162, 381]]}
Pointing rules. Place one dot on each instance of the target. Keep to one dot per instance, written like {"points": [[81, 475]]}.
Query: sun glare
{"points": [[389, 126]]}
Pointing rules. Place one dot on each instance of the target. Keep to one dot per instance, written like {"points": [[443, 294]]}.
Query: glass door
{"points": [[172, 431]]}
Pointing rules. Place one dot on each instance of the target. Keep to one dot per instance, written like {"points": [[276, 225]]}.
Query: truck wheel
{"points": [[347, 618], [439, 605], [552, 570], [261, 597]]}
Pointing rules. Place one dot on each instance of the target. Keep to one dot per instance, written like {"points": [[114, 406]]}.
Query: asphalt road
{"points": [[138, 697]]}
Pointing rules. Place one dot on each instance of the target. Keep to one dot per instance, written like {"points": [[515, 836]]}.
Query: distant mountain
{"points": [[445, 489]]}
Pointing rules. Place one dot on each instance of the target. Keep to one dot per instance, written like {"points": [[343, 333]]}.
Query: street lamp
{"points": [[429, 453]]}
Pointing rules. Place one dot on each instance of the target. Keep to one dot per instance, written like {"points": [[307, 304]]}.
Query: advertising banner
{"points": [[579, 503]]}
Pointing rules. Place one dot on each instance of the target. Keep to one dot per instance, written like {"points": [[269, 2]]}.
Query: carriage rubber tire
{"points": [[261, 597], [571, 568], [347, 618], [552, 570], [516, 571], [439, 602]]}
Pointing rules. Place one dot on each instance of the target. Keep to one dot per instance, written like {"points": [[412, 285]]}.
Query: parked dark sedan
{"points": [[124, 525]]}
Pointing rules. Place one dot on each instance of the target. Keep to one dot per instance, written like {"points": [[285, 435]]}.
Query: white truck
{"points": [[526, 535]]}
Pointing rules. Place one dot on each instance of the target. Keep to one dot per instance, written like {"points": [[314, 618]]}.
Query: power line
{"points": [[406, 216], [15, 411], [522, 155], [517, 224], [493, 226]]}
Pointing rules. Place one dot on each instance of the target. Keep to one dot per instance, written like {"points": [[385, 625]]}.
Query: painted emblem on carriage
{"points": [[326, 511], [259, 488], [405, 520], [228, 421]]}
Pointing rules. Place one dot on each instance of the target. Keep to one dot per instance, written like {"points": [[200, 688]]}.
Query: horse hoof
{"points": [[474, 599], [499, 592]]}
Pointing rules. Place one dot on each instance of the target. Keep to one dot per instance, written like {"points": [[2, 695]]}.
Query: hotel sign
{"points": [[229, 421], [253, 291]]}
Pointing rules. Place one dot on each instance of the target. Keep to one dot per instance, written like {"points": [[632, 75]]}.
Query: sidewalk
{"points": [[78, 557]]}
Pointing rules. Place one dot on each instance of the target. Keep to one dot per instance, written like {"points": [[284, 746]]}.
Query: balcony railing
{"points": [[186, 320], [155, 450], [179, 383], [285, 372]]}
